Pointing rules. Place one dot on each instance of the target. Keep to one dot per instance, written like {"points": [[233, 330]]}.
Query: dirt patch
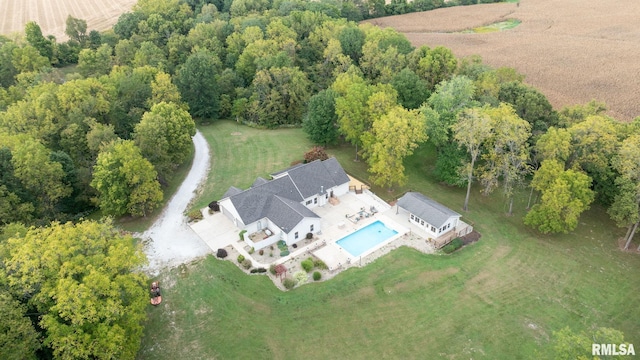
{"points": [[471, 237], [573, 51], [236, 133]]}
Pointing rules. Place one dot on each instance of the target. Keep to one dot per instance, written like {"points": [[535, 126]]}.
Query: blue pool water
{"points": [[366, 238]]}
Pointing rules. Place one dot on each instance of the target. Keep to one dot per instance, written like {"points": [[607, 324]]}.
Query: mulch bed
{"points": [[471, 237]]}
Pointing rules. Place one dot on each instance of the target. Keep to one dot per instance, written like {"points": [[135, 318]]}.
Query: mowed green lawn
{"points": [[500, 298], [241, 153]]}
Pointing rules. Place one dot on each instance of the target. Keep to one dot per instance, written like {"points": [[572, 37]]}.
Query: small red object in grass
{"points": [[156, 297]]}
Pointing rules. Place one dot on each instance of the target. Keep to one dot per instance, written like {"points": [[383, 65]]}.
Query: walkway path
{"points": [[170, 241]]}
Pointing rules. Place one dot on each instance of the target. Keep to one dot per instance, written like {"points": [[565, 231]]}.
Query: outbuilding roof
{"points": [[426, 208]]}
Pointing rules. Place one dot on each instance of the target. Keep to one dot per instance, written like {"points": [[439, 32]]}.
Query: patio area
{"points": [[339, 219]]}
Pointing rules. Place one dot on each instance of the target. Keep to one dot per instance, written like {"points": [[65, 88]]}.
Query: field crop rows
{"points": [[51, 15], [571, 50]]}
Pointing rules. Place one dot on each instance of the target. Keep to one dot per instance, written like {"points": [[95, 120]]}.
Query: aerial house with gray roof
{"points": [[429, 215], [282, 207]]}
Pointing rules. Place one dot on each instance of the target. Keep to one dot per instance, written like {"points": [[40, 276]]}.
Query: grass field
{"points": [[245, 154], [500, 298], [51, 15], [571, 50]]}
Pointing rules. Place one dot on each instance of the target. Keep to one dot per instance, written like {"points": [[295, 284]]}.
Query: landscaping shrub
{"points": [[289, 283], [301, 277], [242, 234], [282, 245], [194, 215], [261, 252], [222, 253], [246, 263], [453, 246], [284, 253], [320, 264], [261, 270], [252, 250], [307, 265], [253, 271], [316, 276], [272, 269], [309, 236], [240, 258]]}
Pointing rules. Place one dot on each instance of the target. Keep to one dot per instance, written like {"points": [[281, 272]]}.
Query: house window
{"points": [[315, 200], [308, 202], [295, 235], [311, 228], [421, 222], [433, 229], [412, 217]]}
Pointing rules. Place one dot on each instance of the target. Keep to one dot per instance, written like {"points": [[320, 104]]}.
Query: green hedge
{"points": [[453, 246], [307, 265]]}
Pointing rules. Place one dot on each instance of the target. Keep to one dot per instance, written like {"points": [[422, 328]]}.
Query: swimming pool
{"points": [[366, 238]]}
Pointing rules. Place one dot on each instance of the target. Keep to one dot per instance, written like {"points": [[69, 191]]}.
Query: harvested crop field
{"points": [[571, 50], [51, 15]]}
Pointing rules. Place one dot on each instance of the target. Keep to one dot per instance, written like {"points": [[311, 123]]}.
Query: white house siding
{"points": [[227, 208], [312, 201], [339, 190], [302, 229], [263, 243], [452, 222]]}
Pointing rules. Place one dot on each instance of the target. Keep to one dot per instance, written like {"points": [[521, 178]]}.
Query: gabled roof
{"points": [[317, 176], [259, 181], [232, 191], [286, 214], [253, 203], [284, 171], [280, 199], [426, 208]]}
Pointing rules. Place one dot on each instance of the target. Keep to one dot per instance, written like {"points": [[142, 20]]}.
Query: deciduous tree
{"points": [[80, 278], [320, 123], [76, 30], [594, 142], [387, 152], [196, 80], [507, 154], [125, 181], [95, 62], [472, 130], [625, 209], [438, 64], [412, 91], [280, 96], [164, 136], [34, 36], [18, 339], [444, 104], [352, 108], [565, 195]]}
